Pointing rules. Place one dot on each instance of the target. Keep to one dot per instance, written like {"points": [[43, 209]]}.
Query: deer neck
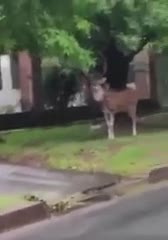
{"points": [[99, 96]]}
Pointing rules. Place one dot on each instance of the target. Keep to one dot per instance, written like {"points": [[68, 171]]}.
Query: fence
{"points": [[57, 117]]}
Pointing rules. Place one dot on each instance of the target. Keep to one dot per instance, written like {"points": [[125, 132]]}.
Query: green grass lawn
{"points": [[77, 147], [10, 201]]}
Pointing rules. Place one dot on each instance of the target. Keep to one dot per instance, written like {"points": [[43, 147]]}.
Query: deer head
{"points": [[97, 86]]}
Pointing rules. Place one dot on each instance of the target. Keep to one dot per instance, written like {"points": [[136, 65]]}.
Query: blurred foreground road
{"points": [[143, 217]]}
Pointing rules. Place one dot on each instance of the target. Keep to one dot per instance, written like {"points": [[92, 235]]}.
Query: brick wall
{"points": [[25, 77], [141, 74]]}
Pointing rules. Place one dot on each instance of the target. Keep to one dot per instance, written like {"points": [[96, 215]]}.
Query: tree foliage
{"points": [[77, 32], [43, 28]]}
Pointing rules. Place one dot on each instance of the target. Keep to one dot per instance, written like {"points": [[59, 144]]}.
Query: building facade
{"points": [[10, 92], [17, 92]]}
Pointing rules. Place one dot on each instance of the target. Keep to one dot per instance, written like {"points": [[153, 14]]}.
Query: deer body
{"points": [[113, 102]]}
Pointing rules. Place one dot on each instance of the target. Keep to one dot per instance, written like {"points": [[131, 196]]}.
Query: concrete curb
{"points": [[38, 211], [20, 217]]}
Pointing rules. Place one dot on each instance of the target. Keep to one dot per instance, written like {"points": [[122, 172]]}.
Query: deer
{"points": [[113, 102]]}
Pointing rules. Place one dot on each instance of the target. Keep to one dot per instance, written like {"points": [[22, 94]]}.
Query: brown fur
{"points": [[113, 102], [120, 101]]}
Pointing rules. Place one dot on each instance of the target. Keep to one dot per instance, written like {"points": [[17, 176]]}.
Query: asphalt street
{"points": [[143, 217]]}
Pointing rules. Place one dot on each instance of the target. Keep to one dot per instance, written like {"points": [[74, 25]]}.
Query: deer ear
{"points": [[102, 81]]}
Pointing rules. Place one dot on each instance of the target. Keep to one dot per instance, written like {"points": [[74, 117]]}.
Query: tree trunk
{"points": [[118, 63], [37, 83], [117, 68]]}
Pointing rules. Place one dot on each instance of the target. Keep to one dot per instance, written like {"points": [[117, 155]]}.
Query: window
{"points": [[131, 73], [14, 71], [0, 75]]}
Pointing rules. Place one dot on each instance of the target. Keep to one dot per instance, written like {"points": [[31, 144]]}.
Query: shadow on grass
{"points": [[97, 135], [79, 133]]}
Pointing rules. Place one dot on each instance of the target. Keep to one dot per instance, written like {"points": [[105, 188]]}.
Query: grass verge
{"points": [[10, 201], [76, 147]]}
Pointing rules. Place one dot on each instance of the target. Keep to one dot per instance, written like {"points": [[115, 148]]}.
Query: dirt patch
{"points": [[86, 155], [87, 160], [31, 160], [4, 159], [160, 158], [158, 175], [35, 143], [115, 147]]}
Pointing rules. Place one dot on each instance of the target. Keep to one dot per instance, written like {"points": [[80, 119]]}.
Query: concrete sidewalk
{"points": [[18, 179], [48, 193]]}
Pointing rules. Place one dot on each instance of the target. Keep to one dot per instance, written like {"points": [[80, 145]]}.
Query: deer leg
{"points": [[109, 118], [134, 126], [132, 114]]}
